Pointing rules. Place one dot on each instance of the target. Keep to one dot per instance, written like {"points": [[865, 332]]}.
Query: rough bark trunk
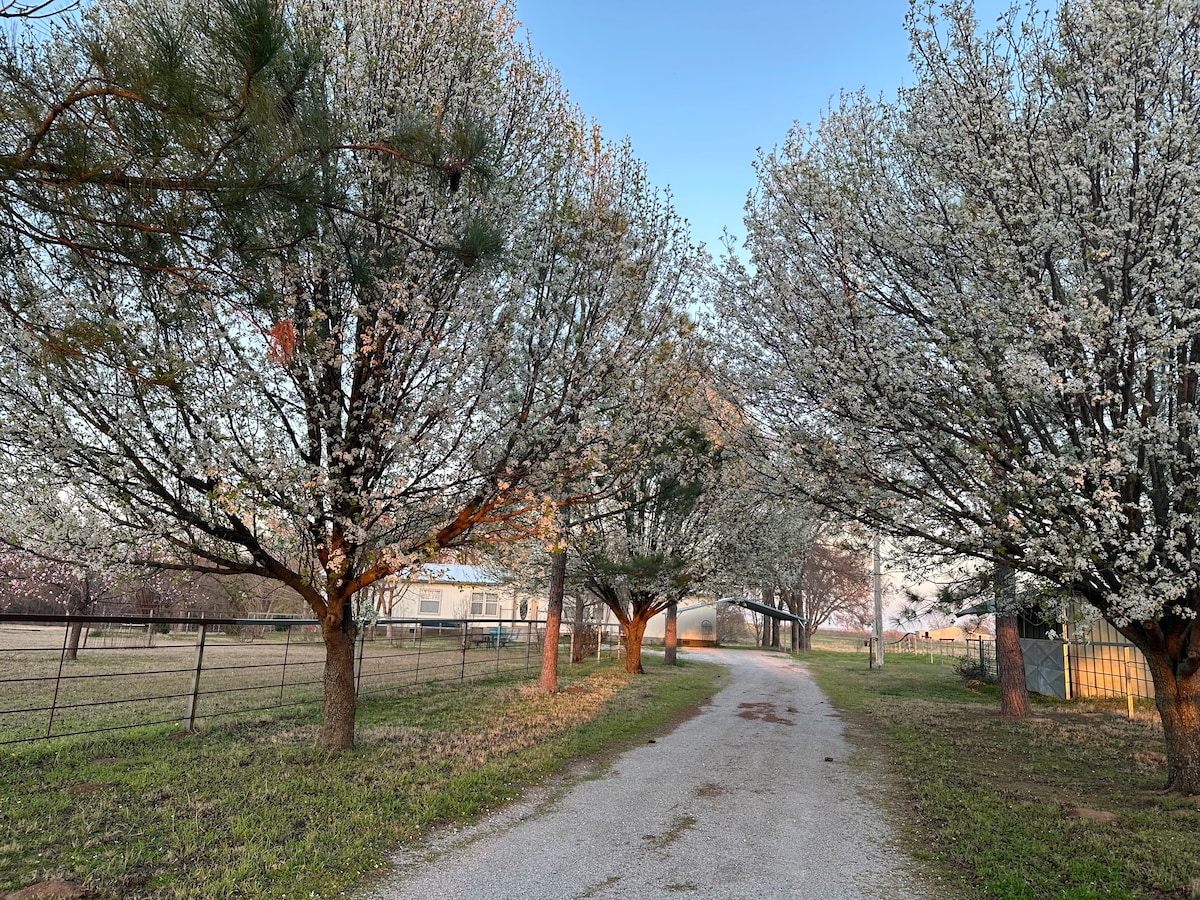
{"points": [[1010, 660], [634, 631], [73, 633], [1178, 702], [337, 726], [671, 635], [582, 643], [548, 681], [77, 605]]}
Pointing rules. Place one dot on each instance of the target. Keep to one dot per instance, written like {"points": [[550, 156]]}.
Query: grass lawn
{"points": [[251, 809], [1067, 805]]}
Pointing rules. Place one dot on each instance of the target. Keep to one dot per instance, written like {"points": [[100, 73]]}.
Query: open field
{"points": [[124, 678], [251, 809], [1066, 805]]}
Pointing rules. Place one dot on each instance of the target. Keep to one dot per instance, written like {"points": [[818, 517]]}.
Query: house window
{"points": [[485, 604], [429, 602]]}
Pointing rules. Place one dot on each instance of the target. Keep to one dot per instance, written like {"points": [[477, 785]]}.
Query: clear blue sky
{"points": [[699, 86]]}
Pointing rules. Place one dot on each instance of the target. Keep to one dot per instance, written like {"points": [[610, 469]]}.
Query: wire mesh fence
{"points": [[74, 675], [1063, 669]]}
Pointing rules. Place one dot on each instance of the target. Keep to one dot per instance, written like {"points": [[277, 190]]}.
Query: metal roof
{"points": [[762, 609], [451, 573], [753, 605]]}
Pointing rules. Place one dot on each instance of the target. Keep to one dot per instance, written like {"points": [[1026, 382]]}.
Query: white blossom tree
{"points": [[327, 357], [679, 527], [970, 316], [615, 266]]}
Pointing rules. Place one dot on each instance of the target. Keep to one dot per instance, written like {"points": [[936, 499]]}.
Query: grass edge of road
{"points": [[254, 810], [1065, 805]]}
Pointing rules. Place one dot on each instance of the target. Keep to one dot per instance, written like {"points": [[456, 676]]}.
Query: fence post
{"points": [[418, 634], [287, 645], [1128, 688], [194, 702], [1067, 669], [58, 680], [462, 636], [358, 657]]}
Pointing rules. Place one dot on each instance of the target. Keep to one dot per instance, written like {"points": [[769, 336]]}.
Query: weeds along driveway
{"points": [[752, 798]]}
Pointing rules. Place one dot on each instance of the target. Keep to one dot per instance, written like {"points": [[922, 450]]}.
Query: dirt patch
{"points": [[54, 889], [1091, 815], [763, 712], [91, 787]]}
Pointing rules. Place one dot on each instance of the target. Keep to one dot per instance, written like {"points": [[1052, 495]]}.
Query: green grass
{"points": [[118, 683], [991, 808], [253, 810]]}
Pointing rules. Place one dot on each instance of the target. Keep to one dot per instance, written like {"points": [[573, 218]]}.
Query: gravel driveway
{"points": [[752, 798]]}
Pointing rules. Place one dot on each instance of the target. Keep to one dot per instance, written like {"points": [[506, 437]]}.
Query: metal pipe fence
{"points": [[134, 671]]}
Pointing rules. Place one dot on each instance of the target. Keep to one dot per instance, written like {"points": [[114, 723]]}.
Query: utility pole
{"points": [[877, 577]]}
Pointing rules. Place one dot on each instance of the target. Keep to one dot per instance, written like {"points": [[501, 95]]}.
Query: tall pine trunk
{"points": [[1010, 659]]}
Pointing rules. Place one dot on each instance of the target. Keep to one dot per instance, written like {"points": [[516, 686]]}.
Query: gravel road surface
{"points": [[752, 798]]}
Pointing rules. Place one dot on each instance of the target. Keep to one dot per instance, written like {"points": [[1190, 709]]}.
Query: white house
{"points": [[449, 591]]}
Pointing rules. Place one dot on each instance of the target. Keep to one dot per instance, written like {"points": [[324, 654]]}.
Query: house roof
{"points": [[452, 573]]}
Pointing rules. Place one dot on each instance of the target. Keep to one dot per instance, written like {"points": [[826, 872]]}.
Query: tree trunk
{"points": [[548, 682], [337, 726], [582, 643], [768, 599], [1178, 702], [77, 605], [634, 631], [1010, 660], [73, 633], [671, 638]]}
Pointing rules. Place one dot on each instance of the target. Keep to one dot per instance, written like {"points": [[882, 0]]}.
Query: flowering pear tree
{"points": [[663, 536], [970, 315], [613, 267], [326, 361]]}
